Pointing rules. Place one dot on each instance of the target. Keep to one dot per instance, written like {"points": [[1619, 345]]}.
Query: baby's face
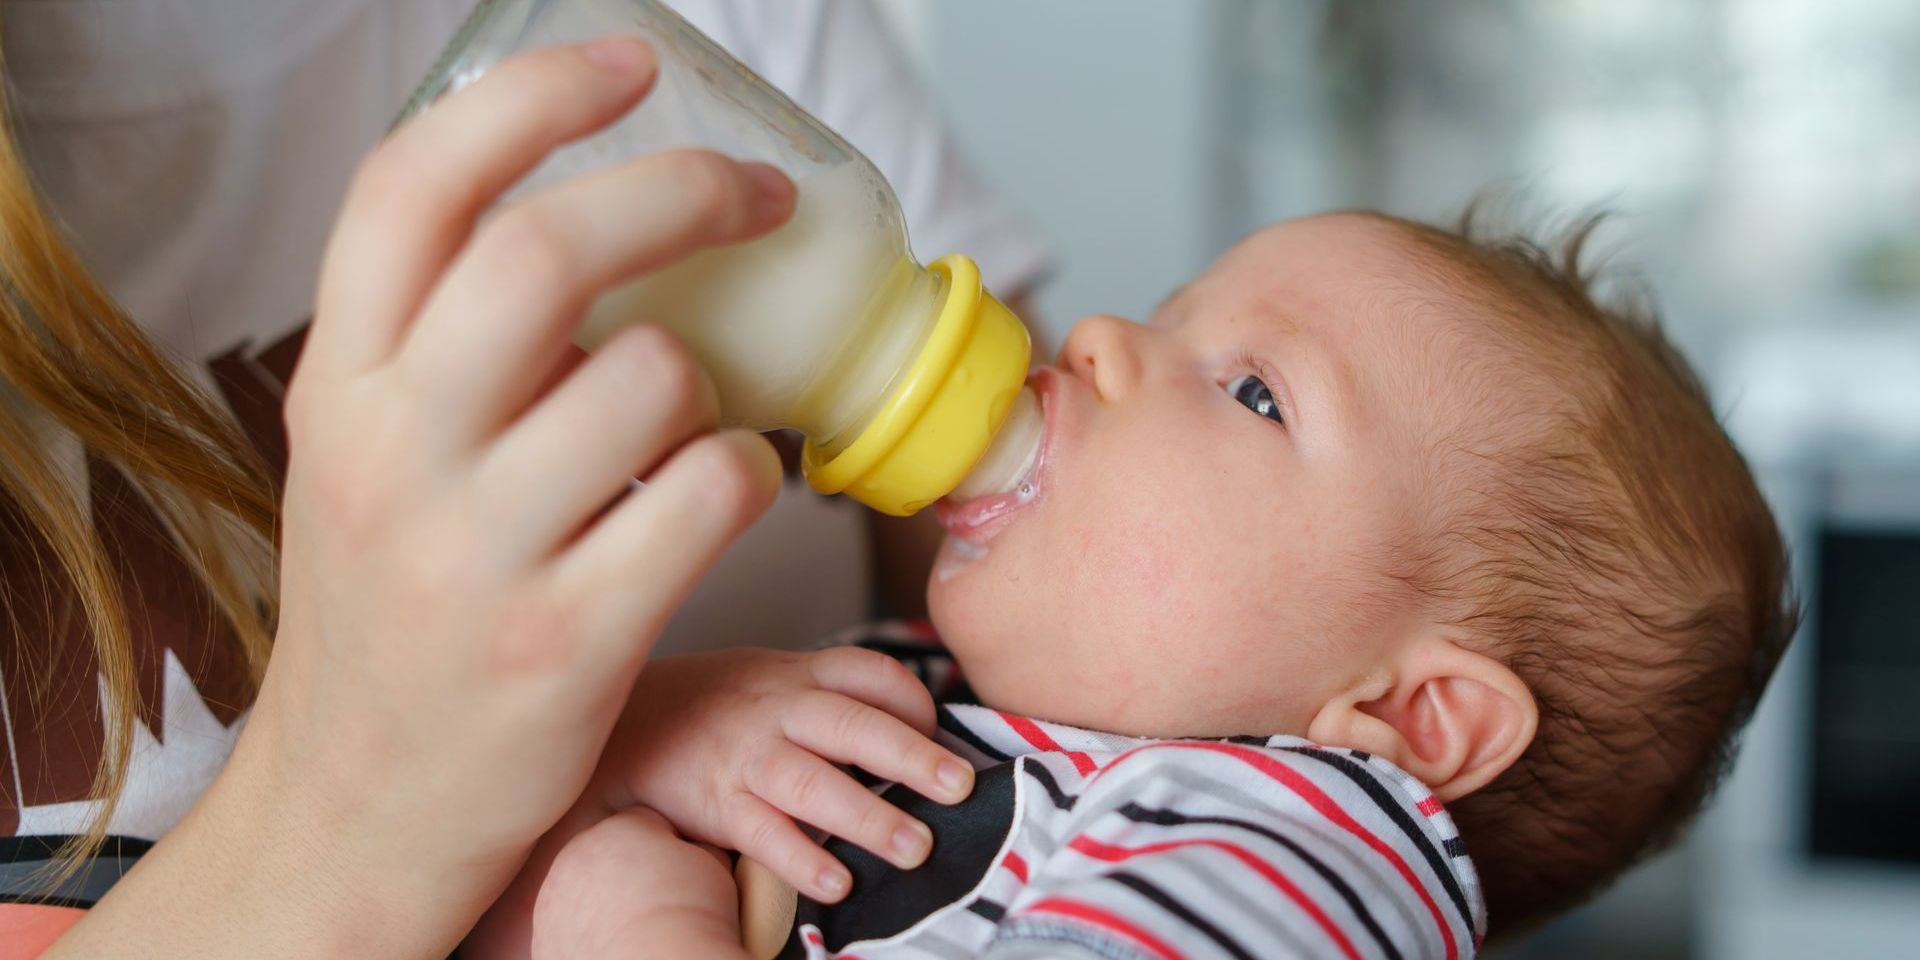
{"points": [[1220, 495]]}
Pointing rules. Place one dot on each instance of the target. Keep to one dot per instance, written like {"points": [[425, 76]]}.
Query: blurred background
{"points": [[1764, 156]]}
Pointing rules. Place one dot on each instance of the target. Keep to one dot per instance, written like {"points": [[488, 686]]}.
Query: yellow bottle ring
{"points": [[940, 418]]}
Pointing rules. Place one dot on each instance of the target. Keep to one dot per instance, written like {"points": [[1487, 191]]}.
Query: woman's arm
{"points": [[249, 874]]}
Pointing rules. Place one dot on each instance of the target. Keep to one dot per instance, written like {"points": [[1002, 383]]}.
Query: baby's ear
{"points": [[1448, 715]]}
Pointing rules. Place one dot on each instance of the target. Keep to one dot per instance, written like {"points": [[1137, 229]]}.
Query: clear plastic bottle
{"points": [[899, 375]]}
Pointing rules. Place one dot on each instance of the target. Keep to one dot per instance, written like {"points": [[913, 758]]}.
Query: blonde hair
{"points": [[72, 362]]}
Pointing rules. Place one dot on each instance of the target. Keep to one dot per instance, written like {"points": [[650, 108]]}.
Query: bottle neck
{"points": [[852, 389], [1009, 462]]}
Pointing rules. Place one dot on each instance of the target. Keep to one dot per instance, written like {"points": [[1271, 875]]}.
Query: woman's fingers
{"points": [[847, 731], [631, 569], [637, 399], [414, 201], [771, 837], [511, 303]]}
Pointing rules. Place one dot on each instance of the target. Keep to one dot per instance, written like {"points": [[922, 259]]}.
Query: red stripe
{"points": [[1319, 801], [1032, 733], [1114, 854], [29, 929], [1015, 865], [1430, 806], [1101, 918]]}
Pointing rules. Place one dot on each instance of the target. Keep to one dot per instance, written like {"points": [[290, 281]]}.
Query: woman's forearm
{"points": [[247, 875]]}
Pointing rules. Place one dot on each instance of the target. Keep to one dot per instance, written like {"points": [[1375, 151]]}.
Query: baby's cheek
{"points": [[1129, 556], [1141, 571]]}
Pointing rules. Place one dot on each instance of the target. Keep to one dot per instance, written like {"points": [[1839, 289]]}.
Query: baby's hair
{"points": [[1615, 552]]}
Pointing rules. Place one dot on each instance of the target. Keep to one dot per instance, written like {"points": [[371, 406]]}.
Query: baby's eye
{"points": [[1255, 395]]}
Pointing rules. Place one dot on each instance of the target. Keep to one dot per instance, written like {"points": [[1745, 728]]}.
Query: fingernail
{"points": [[775, 189], [623, 56], [833, 884], [955, 777], [912, 842]]}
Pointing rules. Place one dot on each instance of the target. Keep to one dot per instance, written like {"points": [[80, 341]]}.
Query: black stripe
{"points": [[76, 904], [1059, 797], [1171, 818], [958, 691], [1456, 847], [953, 725], [1390, 804], [1165, 901], [987, 908], [1250, 741], [44, 846]]}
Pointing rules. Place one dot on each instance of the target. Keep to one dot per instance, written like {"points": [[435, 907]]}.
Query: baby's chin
{"points": [[1022, 689], [947, 612], [1019, 671], [1010, 670], [968, 590], [957, 558]]}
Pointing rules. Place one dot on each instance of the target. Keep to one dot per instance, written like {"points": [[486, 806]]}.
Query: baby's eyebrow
{"points": [[1168, 300], [1270, 310]]}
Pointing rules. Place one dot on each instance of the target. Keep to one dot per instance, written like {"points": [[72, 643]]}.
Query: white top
{"points": [[197, 152]]}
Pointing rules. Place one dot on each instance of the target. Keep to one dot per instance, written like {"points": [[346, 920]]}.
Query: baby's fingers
{"points": [[847, 731], [875, 678], [813, 790], [760, 832]]}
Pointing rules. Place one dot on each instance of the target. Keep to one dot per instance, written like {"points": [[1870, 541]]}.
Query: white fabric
{"points": [[197, 151]]}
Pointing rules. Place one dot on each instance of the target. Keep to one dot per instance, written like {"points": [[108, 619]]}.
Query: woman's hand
{"points": [[462, 622], [466, 594]]}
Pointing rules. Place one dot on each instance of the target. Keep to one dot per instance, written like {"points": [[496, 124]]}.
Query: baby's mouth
{"points": [[979, 519]]}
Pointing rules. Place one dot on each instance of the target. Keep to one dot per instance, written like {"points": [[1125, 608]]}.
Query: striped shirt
{"points": [[1080, 844]]}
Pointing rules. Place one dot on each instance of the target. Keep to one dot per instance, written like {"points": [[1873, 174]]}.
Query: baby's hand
{"points": [[629, 887], [733, 747]]}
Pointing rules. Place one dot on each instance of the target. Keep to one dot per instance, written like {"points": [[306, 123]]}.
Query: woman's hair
{"points": [[72, 364]]}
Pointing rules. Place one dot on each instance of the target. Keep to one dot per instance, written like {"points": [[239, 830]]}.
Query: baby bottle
{"points": [[899, 375]]}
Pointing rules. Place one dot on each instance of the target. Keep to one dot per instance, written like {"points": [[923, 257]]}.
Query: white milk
{"points": [[806, 327]]}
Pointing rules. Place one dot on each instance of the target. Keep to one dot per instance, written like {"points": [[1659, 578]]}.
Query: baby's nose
{"points": [[1103, 350]]}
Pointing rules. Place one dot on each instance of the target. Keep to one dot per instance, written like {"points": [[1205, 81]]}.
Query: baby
{"points": [[1378, 547]]}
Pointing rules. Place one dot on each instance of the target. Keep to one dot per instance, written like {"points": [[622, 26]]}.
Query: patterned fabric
{"points": [[1078, 843], [192, 678]]}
